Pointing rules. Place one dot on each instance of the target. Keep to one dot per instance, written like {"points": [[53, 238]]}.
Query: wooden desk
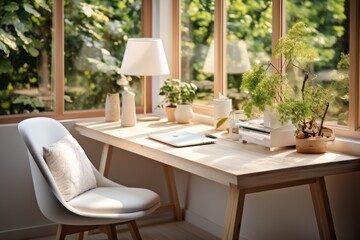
{"points": [[244, 168]]}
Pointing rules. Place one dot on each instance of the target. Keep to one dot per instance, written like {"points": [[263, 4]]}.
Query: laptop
{"points": [[182, 139]]}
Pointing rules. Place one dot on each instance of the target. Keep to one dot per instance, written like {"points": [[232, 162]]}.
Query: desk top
{"points": [[227, 162]]}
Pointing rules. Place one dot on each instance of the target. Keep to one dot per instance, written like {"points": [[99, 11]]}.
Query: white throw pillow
{"points": [[70, 167]]}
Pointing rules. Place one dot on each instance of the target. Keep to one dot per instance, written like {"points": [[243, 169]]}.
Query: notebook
{"points": [[182, 138]]}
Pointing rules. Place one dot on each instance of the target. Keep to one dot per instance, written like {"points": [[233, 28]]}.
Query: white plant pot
{"points": [[112, 107], [183, 113], [271, 119]]}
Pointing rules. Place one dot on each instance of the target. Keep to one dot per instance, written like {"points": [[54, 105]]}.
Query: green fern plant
{"points": [[271, 89], [307, 111]]}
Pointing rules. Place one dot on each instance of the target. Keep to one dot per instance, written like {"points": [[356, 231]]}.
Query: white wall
{"points": [[278, 214]]}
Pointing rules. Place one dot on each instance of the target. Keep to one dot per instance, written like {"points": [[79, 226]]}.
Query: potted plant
{"points": [[267, 91], [183, 112], [307, 113], [171, 92]]}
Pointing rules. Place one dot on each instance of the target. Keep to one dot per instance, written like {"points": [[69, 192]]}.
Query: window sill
{"points": [[341, 144], [345, 145]]}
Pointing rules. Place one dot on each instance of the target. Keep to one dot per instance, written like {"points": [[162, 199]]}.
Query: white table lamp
{"points": [[144, 57]]}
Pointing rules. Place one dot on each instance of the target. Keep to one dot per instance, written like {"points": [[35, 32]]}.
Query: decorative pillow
{"points": [[70, 167]]}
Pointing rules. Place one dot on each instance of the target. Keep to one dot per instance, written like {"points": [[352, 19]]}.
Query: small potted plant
{"points": [[307, 113], [183, 112], [171, 92]]}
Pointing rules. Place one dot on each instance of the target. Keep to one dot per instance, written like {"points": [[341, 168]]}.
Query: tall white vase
{"points": [[183, 113], [112, 107], [128, 110]]}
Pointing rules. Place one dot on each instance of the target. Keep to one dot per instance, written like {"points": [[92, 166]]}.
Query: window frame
{"points": [[278, 30], [59, 112]]}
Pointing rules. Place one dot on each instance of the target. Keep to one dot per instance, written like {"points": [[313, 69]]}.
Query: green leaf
{"points": [[5, 66], [36, 102], [29, 8], [11, 7], [43, 4], [25, 39], [221, 121], [67, 99], [33, 52], [8, 39], [98, 66], [10, 18], [4, 48]]}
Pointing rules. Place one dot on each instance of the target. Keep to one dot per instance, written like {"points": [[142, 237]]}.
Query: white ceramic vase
{"points": [[112, 107], [183, 113], [128, 110], [271, 118]]}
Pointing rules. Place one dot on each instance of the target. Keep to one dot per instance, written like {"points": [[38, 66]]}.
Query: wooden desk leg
{"points": [[233, 215], [105, 159], [173, 196], [322, 209]]}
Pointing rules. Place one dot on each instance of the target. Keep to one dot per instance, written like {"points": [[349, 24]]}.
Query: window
{"points": [[25, 57], [197, 47], [330, 26], [248, 41], [59, 58], [95, 39], [252, 28]]}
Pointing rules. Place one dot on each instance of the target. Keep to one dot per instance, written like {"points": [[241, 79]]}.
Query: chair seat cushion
{"points": [[115, 200]]}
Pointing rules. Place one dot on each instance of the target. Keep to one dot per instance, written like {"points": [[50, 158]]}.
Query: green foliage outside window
{"points": [[96, 33], [251, 21], [95, 38], [25, 54]]}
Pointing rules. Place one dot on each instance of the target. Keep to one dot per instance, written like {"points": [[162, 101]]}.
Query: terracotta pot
{"points": [[311, 145], [183, 113], [170, 113]]}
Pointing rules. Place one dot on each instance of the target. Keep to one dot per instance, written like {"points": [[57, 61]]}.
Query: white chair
{"points": [[102, 207]]}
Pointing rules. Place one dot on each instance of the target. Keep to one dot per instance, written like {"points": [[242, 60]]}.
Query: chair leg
{"points": [[110, 230], [79, 236], [60, 235], [134, 230], [64, 230]]}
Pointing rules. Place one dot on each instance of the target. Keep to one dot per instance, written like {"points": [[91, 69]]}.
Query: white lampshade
{"points": [[144, 57], [237, 58]]}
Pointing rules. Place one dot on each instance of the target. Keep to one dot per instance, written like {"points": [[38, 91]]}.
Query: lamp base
{"points": [[147, 117]]}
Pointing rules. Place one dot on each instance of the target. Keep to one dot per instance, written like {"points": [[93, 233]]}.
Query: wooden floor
{"points": [[161, 230]]}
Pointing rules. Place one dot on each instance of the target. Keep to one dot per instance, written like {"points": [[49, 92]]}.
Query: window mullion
{"points": [[176, 40], [58, 57], [354, 67], [278, 28], [220, 77], [146, 31]]}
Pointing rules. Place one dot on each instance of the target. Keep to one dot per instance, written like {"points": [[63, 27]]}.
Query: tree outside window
{"points": [[95, 35]]}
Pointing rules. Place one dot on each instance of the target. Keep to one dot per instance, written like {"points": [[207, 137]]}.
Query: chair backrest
{"points": [[37, 133]]}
